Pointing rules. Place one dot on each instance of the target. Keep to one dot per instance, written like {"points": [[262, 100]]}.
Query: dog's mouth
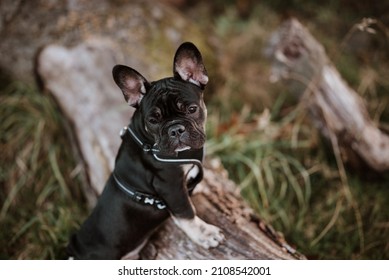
{"points": [[182, 148], [174, 147], [178, 138]]}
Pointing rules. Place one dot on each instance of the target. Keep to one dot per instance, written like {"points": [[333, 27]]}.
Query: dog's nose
{"points": [[176, 130]]}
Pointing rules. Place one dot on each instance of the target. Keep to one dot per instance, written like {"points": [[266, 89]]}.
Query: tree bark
{"points": [[336, 109], [80, 79]]}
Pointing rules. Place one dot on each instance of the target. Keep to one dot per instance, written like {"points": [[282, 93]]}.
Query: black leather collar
{"points": [[138, 196], [144, 198]]}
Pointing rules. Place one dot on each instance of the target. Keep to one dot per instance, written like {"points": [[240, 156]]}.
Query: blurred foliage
{"points": [[290, 178], [40, 196], [285, 170]]}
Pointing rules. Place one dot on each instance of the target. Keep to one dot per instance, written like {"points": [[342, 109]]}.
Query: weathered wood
{"points": [[336, 109], [81, 81], [218, 202]]}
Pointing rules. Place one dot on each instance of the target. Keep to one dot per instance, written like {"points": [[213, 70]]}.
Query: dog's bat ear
{"points": [[132, 84], [188, 65]]}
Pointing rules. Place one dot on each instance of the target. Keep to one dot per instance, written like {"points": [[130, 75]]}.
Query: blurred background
{"points": [[285, 170]]}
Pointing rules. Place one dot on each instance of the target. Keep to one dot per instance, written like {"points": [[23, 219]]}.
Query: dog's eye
{"points": [[192, 109], [180, 105], [153, 120], [154, 117]]}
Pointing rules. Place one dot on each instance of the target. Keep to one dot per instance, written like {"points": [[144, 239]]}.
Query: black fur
{"points": [[171, 114]]}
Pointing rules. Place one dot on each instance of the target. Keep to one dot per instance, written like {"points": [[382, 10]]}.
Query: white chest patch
{"points": [[191, 171]]}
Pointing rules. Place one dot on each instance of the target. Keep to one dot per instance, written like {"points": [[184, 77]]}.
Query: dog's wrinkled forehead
{"points": [[170, 90], [189, 79]]}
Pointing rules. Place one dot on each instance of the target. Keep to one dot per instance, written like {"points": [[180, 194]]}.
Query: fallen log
{"points": [[336, 109], [81, 81]]}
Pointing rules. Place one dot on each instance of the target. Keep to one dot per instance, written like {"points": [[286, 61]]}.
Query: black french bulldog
{"points": [[157, 166]]}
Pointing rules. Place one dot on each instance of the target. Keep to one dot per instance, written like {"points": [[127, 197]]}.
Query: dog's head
{"points": [[172, 109]]}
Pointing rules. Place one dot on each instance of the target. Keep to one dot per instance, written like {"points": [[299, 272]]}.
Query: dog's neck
{"points": [[185, 158], [139, 134]]}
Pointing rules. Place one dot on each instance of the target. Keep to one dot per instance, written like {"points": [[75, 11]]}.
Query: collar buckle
{"points": [[146, 148]]}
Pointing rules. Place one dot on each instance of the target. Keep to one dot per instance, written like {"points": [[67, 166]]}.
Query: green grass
{"points": [[40, 197], [290, 178], [284, 170], [287, 173]]}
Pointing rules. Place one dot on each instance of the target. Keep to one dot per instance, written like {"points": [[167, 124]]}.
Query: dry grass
{"points": [[286, 171], [41, 201], [289, 176], [292, 177]]}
